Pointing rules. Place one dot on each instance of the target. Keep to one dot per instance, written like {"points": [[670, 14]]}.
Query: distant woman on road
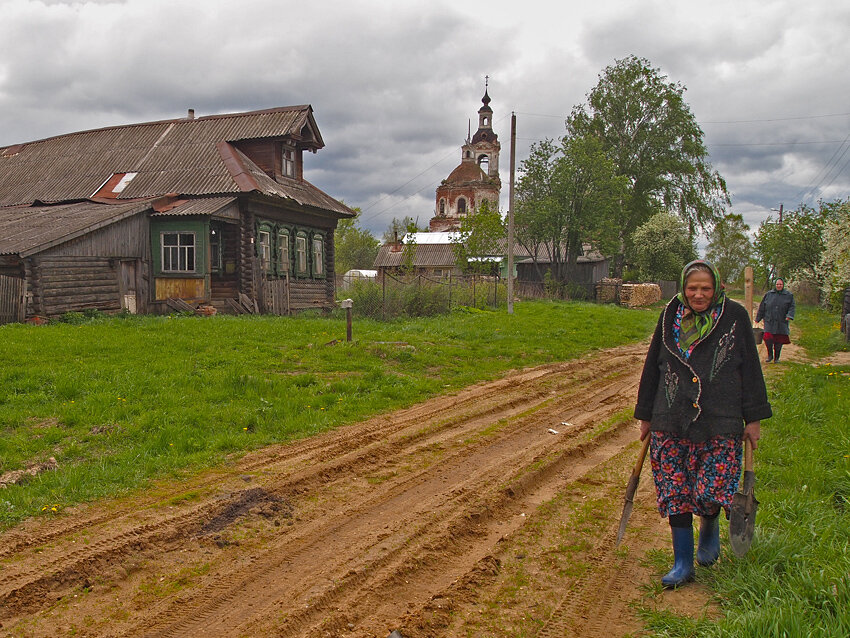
{"points": [[777, 309], [701, 393]]}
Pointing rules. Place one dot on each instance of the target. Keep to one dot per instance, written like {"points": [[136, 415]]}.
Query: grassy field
{"points": [[795, 580], [117, 402]]}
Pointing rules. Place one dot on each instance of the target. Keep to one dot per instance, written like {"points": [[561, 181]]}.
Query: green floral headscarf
{"points": [[703, 321]]}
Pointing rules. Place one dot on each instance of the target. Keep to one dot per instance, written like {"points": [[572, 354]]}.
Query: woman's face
{"points": [[780, 284], [699, 290]]}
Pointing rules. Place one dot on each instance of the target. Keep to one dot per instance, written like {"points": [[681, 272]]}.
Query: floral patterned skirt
{"points": [[695, 477]]}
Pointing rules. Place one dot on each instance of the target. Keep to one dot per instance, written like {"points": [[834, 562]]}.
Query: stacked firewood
{"points": [[639, 295]]}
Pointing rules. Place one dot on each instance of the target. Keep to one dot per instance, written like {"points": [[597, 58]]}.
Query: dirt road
{"points": [[489, 512]]}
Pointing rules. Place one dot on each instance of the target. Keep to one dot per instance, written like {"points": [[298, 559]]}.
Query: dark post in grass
{"points": [[347, 304]]}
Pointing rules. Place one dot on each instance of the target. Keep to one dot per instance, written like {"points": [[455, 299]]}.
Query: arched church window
{"points": [[486, 121], [461, 205], [469, 153], [484, 163], [442, 207]]}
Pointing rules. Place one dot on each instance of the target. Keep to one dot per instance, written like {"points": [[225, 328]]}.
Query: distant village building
{"points": [[476, 178]]}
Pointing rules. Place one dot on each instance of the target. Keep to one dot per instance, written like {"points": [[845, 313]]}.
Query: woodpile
{"points": [[639, 295], [608, 290]]}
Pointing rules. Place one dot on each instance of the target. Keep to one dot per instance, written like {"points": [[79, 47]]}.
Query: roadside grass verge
{"points": [[795, 579], [120, 401]]}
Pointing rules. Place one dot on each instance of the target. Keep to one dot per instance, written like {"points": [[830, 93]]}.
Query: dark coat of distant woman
{"points": [[776, 308]]}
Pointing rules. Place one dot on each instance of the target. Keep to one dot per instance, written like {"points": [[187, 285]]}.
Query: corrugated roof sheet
{"points": [[169, 156], [426, 255], [27, 229], [219, 206]]}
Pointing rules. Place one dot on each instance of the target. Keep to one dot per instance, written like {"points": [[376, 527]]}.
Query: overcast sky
{"points": [[394, 83]]}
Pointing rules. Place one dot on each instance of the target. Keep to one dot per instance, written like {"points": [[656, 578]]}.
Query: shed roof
{"points": [[25, 230], [28, 229], [426, 255], [185, 156]]}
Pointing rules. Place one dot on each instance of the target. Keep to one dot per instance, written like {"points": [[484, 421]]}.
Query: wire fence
{"points": [[421, 295]]}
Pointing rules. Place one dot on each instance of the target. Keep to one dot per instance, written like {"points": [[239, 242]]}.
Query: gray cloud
{"points": [[394, 85]]}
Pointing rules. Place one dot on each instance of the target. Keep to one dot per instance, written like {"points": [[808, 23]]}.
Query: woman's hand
{"points": [[752, 433], [644, 429]]}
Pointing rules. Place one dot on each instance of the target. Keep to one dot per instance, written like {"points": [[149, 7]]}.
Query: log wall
{"points": [[70, 283]]}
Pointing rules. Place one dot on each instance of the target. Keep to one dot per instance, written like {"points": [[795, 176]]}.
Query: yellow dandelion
{"points": [[246, 429]]}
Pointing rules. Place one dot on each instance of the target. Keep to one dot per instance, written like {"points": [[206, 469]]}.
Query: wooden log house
{"points": [[144, 218]]}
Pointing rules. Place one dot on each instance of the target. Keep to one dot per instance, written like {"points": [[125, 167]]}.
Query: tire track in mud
{"points": [[458, 467]]}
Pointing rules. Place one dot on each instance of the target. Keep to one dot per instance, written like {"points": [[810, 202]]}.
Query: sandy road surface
{"points": [[461, 516]]}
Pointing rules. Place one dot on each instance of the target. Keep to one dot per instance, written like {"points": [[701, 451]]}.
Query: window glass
{"points": [[301, 253], [264, 250], [287, 167], [461, 205], [178, 252], [318, 256], [283, 251]]}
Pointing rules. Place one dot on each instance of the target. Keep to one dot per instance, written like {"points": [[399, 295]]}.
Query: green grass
{"points": [[820, 331], [118, 402], [795, 580]]}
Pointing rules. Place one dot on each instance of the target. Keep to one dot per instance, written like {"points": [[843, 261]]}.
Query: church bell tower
{"points": [[476, 178]]}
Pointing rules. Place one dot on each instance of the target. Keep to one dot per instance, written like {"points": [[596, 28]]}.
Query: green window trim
{"points": [[173, 254], [263, 246], [302, 252], [317, 254], [215, 243], [283, 251]]}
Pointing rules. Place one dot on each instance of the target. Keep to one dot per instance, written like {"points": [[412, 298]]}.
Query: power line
{"points": [[827, 169], [776, 119], [779, 143]]}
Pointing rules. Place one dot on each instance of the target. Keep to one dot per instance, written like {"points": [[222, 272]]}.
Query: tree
{"points": [[834, 267], [481, 235], [661, 247], [648, 131], [729, 247], [400, 227], [793, 248], [355, 247], [566, 196]]}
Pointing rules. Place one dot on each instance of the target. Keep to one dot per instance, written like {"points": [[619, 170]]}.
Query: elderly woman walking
{"points": [[777, 308], [701, 393]]}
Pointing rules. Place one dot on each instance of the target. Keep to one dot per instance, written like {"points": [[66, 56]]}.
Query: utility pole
{"points": [[511, 218]]}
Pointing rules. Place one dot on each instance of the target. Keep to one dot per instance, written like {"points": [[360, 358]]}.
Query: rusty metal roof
{"points": [[218, 206], [171, 156]]}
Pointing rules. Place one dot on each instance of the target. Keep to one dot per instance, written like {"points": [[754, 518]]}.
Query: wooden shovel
{"points": [[742, 514], [631, 488]]}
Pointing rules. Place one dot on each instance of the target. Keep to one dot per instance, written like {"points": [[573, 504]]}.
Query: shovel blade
{"points": [[628, 505], [742, 517]]}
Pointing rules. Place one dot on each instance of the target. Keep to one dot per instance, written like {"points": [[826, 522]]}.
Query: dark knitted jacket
{"points": [[716, 391]]}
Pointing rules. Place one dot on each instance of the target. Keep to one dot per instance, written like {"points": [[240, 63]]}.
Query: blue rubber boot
{"points": [[683, 555], [708, 550]]}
